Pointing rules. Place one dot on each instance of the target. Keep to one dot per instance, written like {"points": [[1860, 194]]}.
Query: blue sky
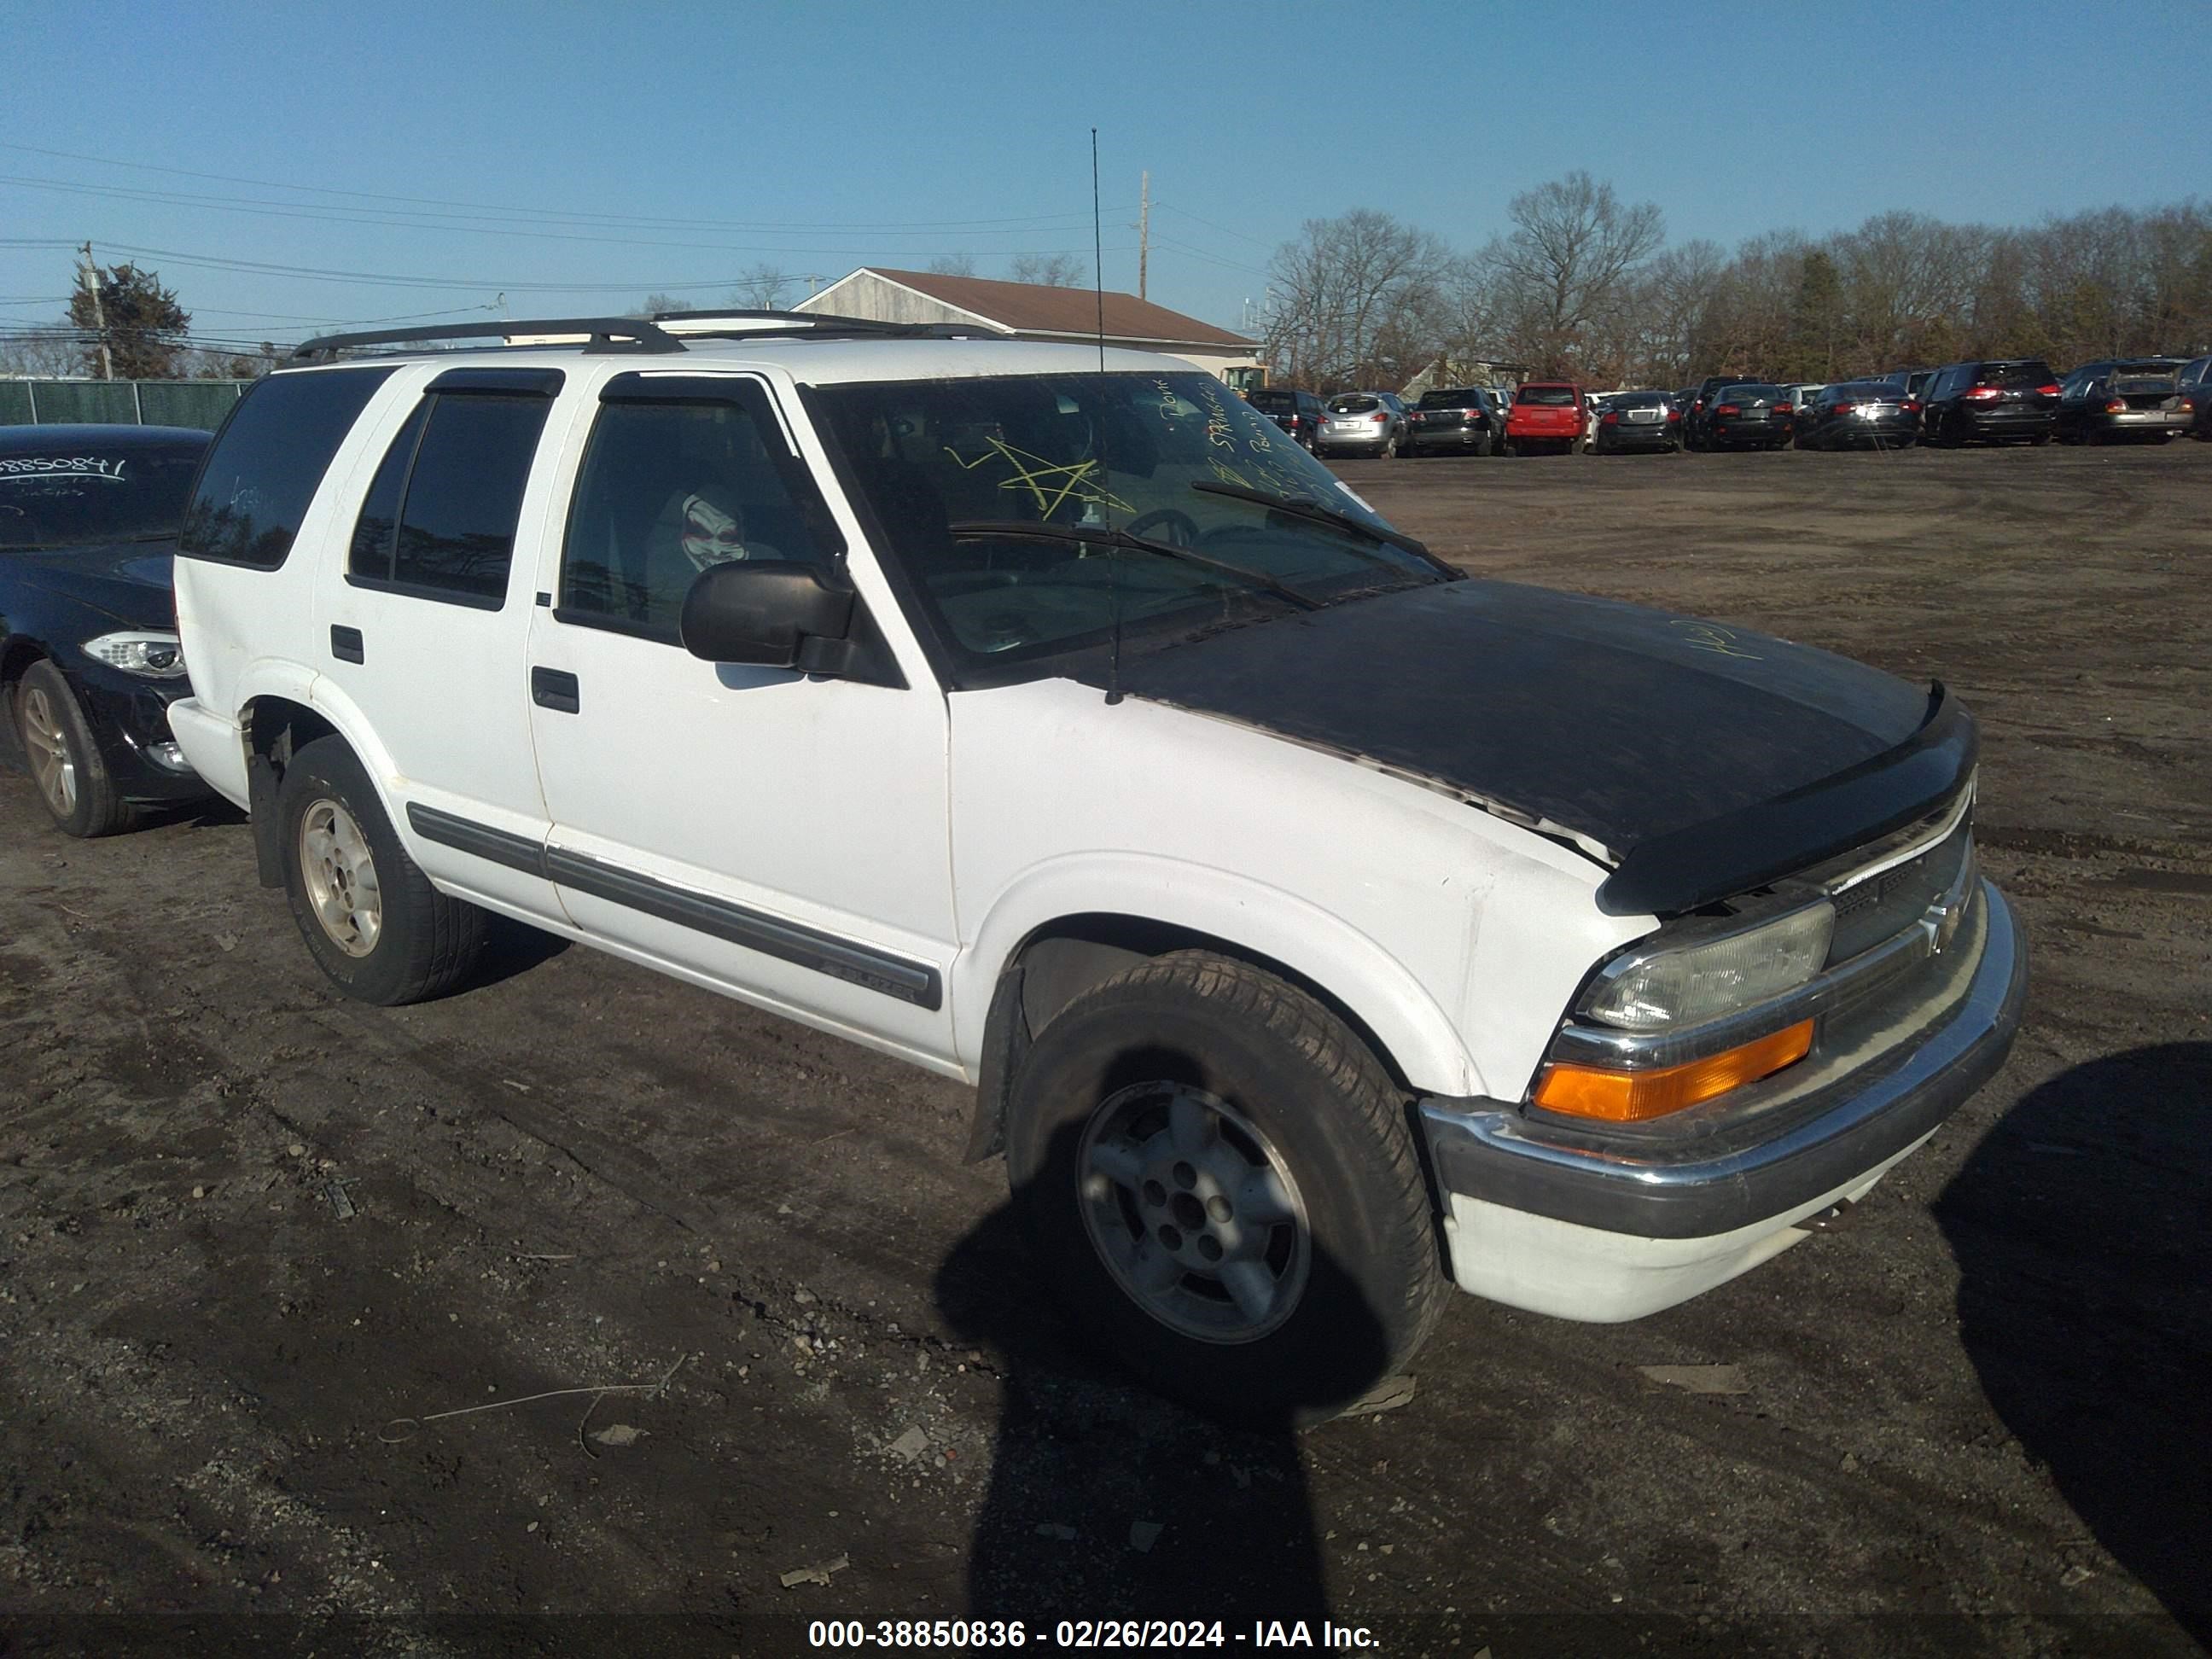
{"points": [[601, 152]]}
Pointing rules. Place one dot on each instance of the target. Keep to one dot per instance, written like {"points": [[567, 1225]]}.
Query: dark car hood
{"points": [[131, 581], [1698, 760]]}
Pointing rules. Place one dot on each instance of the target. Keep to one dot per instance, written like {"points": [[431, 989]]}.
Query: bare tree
{"points": [[51, 351], [1568, 266], [659, 304], [952, 264], [762, 288], [1350, 296], [1050, 270]]}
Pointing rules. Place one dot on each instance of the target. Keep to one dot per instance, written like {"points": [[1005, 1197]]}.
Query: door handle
{"points": [[345, 644], [553, 689]]}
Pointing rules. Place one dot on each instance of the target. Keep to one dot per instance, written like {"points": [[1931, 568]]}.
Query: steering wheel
{"points": [[1185, 526]]}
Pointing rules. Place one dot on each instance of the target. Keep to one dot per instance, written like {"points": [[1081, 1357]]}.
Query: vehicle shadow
{"points": [[1103, 1496], [512, 947], [2083, 1236]]}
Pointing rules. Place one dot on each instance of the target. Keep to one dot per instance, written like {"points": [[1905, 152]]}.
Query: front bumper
{"points": [[129, 718], [1614, 1228]]}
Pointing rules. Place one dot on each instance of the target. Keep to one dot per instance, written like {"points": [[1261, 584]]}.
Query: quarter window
{"points": [[669, 490], [269, 461]]}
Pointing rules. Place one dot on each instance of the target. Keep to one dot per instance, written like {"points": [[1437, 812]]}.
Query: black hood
{"points": [[131, 581], [1696, 759]]}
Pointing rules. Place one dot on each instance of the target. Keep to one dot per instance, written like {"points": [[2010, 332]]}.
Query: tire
{"points": [[1510, 450], [67, 767], [1203, 1083], [2039, 441], [371, 918]]}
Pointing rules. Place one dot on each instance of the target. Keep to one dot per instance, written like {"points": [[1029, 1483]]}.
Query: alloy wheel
{"points": [[1193, 1212], [340, 878], [52, 766]]}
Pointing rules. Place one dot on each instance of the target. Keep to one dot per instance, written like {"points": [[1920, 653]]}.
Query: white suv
{"points": [[1318, 925]]}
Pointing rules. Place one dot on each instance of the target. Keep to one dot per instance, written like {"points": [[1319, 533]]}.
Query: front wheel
{"points": [[369, 915], [72, 774], [1219, 1177]]}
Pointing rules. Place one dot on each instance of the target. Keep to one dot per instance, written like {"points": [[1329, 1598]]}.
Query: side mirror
{"points": [[770, 612]]}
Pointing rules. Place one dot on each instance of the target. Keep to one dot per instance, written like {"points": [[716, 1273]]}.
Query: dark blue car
{"points": [[89, 660]]}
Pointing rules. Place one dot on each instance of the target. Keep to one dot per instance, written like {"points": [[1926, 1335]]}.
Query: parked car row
{"points": [[1984, 400]]}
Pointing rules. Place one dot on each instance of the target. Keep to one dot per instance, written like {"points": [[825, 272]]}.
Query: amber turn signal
{"points": [[1633, 1096]]}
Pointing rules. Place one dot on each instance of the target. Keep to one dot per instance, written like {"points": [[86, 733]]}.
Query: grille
{"points": [[1884, 905]]}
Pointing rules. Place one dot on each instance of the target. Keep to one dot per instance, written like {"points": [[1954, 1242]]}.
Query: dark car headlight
{"points": [[148, 653]]}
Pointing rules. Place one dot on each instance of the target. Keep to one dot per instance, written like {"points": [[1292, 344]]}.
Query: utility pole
{"points": [[99, 314], [1143, 230]]}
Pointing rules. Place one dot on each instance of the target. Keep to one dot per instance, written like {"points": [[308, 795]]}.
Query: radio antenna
{"points": [[1106, 494]]}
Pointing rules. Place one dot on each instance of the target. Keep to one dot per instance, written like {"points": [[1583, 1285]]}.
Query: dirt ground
{"points": [[245, 1225]]}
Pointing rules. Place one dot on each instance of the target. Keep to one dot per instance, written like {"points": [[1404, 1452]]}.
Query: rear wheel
{"points": [[72, 774], [370, 917], [1220, 1177]]}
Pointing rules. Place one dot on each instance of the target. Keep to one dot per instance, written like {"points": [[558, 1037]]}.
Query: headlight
{"points": [[153, 656], [1646, 991]]}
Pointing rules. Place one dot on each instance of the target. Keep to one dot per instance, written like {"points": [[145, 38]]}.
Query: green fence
{"points": [[200, 404]]}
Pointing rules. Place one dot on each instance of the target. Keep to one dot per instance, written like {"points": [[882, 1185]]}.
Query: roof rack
{"points": [[733, 324], [602, 334]]}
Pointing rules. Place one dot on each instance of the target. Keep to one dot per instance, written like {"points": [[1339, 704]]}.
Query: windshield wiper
{"points": [[1300, 506], [1022, 529]]}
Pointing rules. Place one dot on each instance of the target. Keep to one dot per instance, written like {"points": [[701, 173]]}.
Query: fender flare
{"points": [[1417, 1037], [317, 692]]}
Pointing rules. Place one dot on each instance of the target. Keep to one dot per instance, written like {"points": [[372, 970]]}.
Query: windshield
{"points": [[1749, 394], [88, 493], [1274, 400], [1448, 400], [955, 470], [1355, 403], [1638, 400], [1549, 396]]}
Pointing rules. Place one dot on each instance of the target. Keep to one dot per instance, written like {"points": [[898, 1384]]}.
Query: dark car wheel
{"points": [[370, 917], [73, 781], [1219, 1178]]}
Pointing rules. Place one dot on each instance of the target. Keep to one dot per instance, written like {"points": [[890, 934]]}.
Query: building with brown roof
{"points": [[1029, 310]]}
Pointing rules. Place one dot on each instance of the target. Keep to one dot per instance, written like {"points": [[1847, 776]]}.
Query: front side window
{"points": [[79, 494], [1007, 501], [268, 462], [669, 490], [456, 475]]}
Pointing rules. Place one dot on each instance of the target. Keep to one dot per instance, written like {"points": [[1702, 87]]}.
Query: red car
{"points": [[1546, 413]]}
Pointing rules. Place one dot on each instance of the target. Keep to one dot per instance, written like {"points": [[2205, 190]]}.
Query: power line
{"points": [[544, 215], [1242, 236]]}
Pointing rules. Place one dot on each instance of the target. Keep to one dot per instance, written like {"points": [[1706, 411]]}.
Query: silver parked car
{"points": [[1363, 423]]}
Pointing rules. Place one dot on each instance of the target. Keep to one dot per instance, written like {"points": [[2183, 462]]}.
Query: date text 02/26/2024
{"points": [[1073, 1634]]}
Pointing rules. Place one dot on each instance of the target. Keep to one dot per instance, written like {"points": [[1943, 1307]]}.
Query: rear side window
{"points": [[669, 490], [455, 473], [267, 463]]}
